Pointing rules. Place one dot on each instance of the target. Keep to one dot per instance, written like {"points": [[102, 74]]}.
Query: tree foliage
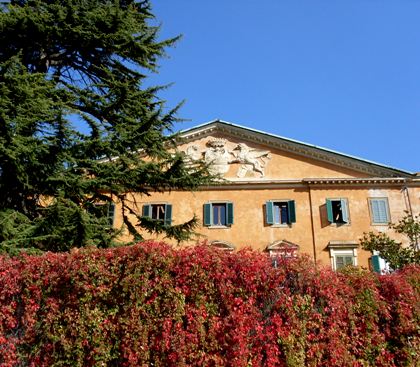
{"points": [[69, 63], [393, 252]]}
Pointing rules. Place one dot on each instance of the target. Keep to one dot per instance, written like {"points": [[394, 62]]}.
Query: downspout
{"points": [[405, 188], [312, 222], [416, 244]]}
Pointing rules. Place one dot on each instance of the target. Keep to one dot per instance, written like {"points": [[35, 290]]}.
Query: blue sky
{"points": [[344, 75]]}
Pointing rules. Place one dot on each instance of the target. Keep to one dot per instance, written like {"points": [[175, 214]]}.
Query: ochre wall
{"points": [[249, 228], [311, 232]]}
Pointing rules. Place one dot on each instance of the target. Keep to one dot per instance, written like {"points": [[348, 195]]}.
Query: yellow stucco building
{"points": [[285, 196]]}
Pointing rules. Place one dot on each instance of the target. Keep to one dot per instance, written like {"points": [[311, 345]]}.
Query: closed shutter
{"points": [[168, 214], [229, 214], [383, 211], [291, 210], [269, 215], [379, 209], [344, 210], [376, 266], [329, 211], [207, 215], [147, 210]]}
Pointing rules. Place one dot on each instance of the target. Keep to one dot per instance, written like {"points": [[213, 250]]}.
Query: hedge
{"points": [[152, 305]]}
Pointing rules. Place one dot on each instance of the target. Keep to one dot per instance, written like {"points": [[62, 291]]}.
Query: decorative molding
{"points": [[343, 244], [222, 245], [281, 245], [298, 148]]}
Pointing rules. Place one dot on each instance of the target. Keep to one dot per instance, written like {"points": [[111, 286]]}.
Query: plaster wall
{"points": [[250, 230]]}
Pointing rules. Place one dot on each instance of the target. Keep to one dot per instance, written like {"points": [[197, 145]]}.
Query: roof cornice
{"points": [[295, 147], [261, 184]]}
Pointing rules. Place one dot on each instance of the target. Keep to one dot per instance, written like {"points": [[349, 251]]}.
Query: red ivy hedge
{"points": [[151, 305]]}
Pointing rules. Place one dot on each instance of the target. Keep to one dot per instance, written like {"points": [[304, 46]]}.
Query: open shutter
{"points": [[269, 215], [344, 210], [329, 211], [168, 214], [229, 214], [291, 210], [376, 266], [207, 215], [147, 210], [111, 213]]}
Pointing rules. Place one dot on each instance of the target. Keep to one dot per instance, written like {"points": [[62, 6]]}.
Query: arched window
{"points": [[222, 245]]}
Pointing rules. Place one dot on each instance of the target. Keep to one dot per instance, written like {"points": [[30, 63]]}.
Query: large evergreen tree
{"points": [[84, 61]]}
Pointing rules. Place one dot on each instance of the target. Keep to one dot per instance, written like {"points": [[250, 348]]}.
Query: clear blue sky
{"points": [[344, 75]]}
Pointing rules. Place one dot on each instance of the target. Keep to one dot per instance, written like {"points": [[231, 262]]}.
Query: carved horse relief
{"points": [[252, 160]]}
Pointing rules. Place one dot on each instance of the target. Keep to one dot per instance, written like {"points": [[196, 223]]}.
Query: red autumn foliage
{"points": [[152, 305]]}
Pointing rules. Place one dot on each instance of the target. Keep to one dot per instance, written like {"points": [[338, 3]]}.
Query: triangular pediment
{"points": [[239, 153]]}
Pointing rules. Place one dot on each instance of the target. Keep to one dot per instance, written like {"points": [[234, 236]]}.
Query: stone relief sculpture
{"points": [[219, 157], [252, 160], [193, 153]]}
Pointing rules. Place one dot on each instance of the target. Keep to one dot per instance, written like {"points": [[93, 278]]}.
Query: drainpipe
{"points": [[312, 222], [405, 188]]}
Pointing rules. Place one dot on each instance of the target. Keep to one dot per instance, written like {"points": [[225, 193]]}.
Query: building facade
{"points": [[285, 197]]}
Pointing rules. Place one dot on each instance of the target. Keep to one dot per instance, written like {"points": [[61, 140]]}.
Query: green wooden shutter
{"points": [[111, 213], [147, 210], [269, 215], [329, 211], [344, 210], [229, 214], [291, 211], [168, 214], [376, 266], [207, 215]]}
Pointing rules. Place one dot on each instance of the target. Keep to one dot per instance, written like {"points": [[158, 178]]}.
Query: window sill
{"points": [[218, 227], [281, 226], [339, 224]]}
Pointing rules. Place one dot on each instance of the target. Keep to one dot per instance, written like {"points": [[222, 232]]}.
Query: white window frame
{"points": [[342, 248]]}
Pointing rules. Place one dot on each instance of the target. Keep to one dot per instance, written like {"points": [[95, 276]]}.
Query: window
{"points": [[342, 253], [280, 212], [161, 212], [379, 210], [343, 260], [218, 214], [337, 211]]}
